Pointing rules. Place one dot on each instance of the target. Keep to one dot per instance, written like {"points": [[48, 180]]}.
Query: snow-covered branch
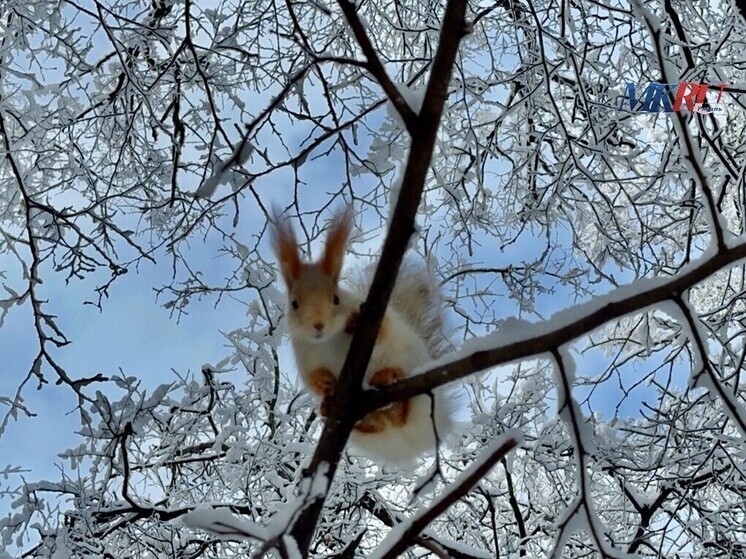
{"points": [[522, 340]]}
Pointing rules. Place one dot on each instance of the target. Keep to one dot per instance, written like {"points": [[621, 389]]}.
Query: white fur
{"points": [[401, 347], [403, 445], [317, 316]]}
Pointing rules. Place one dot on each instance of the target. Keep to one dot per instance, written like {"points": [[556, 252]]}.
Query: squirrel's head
{"points": [[316, 308]]}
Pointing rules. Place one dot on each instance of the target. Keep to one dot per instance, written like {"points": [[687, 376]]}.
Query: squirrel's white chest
{"points": [[399, 347], [329, 354]]}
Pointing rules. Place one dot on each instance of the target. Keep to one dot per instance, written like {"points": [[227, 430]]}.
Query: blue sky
{"points": [[132, 333], [137, 335]]}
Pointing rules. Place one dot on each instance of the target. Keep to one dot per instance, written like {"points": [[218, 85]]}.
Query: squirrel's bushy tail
{"points": [[402, 446], [416, 298]]}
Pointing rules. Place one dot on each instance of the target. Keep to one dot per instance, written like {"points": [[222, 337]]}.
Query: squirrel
{"points": [[321, 320]]}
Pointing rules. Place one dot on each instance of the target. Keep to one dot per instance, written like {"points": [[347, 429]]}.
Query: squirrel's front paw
{"points": [[325, 407], [351, 323], [398, 412], [374, 422], [322, 382]]}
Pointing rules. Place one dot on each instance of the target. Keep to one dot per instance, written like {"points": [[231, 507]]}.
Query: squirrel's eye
{"points": [[336, 300], [295, 304]]}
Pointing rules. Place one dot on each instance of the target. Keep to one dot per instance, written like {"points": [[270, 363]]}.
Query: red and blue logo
{"points": [[686, 96]]}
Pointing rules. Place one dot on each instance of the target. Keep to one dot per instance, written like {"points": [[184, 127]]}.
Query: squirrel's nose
{"points": [[319, 326]]}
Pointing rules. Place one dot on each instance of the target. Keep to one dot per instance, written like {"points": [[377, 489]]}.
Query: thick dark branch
{"points": [[376, 68], [343, 414], [538, 339], [126, 466], [243, 149], [456, 492], [714, 385], [574, 420], [515, 507], [691, 152], [428, 541]]}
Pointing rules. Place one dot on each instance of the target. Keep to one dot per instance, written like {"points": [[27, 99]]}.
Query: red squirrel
{"points": [[321, 316]]}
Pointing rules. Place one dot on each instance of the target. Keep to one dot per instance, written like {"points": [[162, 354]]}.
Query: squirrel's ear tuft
{"points": [[285, 247], [336, 244]]}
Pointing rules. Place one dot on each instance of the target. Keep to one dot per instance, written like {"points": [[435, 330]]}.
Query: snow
{"points": [[570, 412], [514, 330], [581, 516], [692, 159], [320, 481], [396, 532], [62, 551], [292, 551], [702, 375], [394, 191], [570, 523], [641, 498], [466, 550], [413, 98], [309, 491], [221, 522], [240, 156], [207, 188], [731, 240]]}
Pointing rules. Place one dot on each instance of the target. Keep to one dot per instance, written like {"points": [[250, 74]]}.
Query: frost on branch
{"points": [[618, 234]]}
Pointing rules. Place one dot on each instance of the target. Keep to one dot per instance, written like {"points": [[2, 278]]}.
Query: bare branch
{"points": [[403, 536], [339, 424], [538, 339], [376, 68]]}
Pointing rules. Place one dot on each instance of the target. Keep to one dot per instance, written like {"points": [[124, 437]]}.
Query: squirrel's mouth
{"points": [[317, 336]]}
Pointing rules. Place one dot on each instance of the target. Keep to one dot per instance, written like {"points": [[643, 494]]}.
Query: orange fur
{"points": [[351, 323], [336, 243], [398, 412], [321, 318], [322, 382], [374, 422], [386, 376]]}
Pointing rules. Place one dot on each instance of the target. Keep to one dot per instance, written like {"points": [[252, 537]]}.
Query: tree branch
{"points": [[343, 414], [561, 329], [376, 68], [397, 542]]}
